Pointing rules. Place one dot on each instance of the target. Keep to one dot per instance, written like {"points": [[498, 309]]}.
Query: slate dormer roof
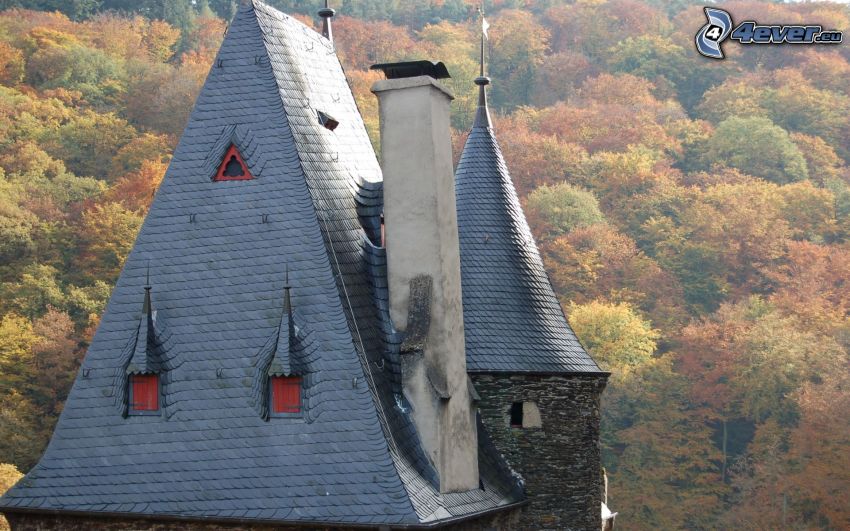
{"points": [[222, 250], [281, 363], [145, 357], [512, 320]]}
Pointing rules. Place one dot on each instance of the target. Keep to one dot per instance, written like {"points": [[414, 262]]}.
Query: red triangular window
{"points": [[233, 167]]}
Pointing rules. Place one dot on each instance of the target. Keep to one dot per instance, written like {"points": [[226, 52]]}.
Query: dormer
{"points": [[145, 366], [284, 385], [235, 156], [283, 374]]}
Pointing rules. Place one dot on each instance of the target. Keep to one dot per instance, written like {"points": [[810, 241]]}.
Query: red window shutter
{"points": [[145, 392], [233, 167], [286, 394]]}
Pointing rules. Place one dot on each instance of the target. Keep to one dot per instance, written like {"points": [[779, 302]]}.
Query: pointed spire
{"points": [[327, 14], [287, 301], [141, 360], [281, 363], [482, 115], [147, 307]]}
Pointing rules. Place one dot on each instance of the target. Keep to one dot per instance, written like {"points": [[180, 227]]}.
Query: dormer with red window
{"points": [[285, 387], [282, 383], [145, 363], [236, 155]]}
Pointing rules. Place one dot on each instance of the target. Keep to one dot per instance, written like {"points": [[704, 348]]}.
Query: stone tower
{"points": [[539, 390]]}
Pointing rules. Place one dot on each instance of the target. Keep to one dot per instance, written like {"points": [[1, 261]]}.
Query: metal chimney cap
{"points": [[436, 70]]}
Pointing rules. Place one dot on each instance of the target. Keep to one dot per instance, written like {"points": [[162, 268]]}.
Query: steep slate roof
{"points": [[218, 254], [513, 322]]}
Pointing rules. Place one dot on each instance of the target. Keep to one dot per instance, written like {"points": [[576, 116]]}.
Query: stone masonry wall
{"points": [[560, 461]]}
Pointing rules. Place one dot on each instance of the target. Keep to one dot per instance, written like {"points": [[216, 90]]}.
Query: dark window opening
{"points": [[144, 392], [328, 122], [285, 394], [516, 415], [232, 167], [383, 232]]}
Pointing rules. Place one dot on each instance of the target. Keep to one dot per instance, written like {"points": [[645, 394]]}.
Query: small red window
{"points": [[286, 394], [233, 167], [144, 392]]}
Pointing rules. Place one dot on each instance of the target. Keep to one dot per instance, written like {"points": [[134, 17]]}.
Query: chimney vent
{"points": [[436, 70]]}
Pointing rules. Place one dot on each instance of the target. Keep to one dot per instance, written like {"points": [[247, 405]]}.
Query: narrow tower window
{"points": [[285, 394], [144, 392], [516, 415], [526, 415], [233, 167]]}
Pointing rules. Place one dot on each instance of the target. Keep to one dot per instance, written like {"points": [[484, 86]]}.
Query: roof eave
{"points": [[260, 522], [587, 374]]}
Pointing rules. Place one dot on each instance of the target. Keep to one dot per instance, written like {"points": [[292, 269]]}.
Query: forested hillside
{"points": [[694, 216]]}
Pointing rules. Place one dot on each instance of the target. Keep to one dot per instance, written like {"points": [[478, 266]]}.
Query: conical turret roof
{"points": [[513, 321]]}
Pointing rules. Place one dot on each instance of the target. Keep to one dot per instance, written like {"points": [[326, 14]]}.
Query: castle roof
{"points": [[219, 253], [513, 321]]}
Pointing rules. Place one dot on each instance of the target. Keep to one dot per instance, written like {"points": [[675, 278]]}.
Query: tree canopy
{"points": [[693, 216]]}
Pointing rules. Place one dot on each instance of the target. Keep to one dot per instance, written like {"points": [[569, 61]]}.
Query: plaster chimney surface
{"points": [[421, 238]]}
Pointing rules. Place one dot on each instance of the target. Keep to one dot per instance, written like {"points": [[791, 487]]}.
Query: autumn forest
{"points": [[693, 215]]}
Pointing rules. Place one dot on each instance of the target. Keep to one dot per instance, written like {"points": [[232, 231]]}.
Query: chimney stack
{"points": [[326, 13], [423, 257]]}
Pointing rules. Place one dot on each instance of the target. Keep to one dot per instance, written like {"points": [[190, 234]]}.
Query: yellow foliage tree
{"points": [[9, 475]]}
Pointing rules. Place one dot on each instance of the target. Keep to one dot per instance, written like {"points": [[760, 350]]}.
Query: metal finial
{"points": [[327, 14], [147, 307], [483, 36], [482, 115], [287, 302]]}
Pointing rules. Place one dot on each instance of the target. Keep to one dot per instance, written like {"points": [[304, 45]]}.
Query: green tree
{"points": [[655, 58], [614, 334], [37, 288], [518, 45], [99, 77], [734, 98], [107, 235], [561, 208], [88, 143], [758, 147], [798, 106], [16, 342], [17, 226]]}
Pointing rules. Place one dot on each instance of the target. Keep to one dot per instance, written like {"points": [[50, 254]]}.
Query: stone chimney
{"points": [[423, 262]]}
